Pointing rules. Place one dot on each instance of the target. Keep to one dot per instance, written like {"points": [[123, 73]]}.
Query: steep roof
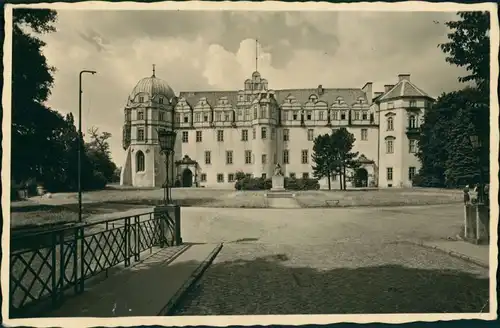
{"points": [[350, 96], [404, 88]]}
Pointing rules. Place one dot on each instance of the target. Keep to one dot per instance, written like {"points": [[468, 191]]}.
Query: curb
{"points": [[452, 253], [195, 276]]}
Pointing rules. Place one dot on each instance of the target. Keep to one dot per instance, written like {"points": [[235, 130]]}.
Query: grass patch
{"points": [[313, 199]]}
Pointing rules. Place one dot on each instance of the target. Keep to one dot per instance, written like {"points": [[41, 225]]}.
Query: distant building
{"points": [[222, 132]]}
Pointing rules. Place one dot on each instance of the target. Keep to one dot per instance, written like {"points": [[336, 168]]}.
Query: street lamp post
{"points": [[166, 139], [80, 142], [476, 145]]}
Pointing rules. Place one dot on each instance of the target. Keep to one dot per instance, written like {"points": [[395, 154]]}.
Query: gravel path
{"points": [[331, 261]]}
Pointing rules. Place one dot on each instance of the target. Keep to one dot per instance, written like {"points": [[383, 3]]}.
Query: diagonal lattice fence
{"points": [[45, 266]]}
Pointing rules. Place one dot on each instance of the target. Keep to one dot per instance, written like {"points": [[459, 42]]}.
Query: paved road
{"points": [[331, 261]]}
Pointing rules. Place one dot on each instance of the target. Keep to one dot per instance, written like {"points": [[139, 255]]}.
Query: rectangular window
{"points": [[264, 159], [263, 176], [255, 113], [305, 156], [310, 135], [294, 116], [140, 134], [220, 177], [412, 146], [244, 135], [335, 116], [199, 136], [247, 114], [411, 172], [321, 115], [249, 175], [230, 177], [186, 119], [205, 118], [342, 115], [203, 177], [413, 103], [185, 136], [218, 117], [356, 116], [141, 99], [309, 115], [197, 117], [229, 157], [286, 155], [305, 175], [364, 116], [263, 112], [389, 174], [220, 135], [364, 134], [390, 146], [334, 177], [286, 135], [390, 124], [275, 159], [161, 116], [254, 133], [140, 115], [263, 133], [273, 133], [227, 117], [177, 118], [208, 157], [292, 175], [248, 157]]}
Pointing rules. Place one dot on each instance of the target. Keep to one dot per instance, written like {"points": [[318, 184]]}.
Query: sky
{"points": [[215, 50]]}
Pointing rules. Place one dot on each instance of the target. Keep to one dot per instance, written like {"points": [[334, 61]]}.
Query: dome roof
{"points": [[153, 86]]}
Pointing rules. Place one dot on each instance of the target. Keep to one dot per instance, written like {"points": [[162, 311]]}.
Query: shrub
{"points": [[253, 184], [301, 184], [240, 176]]}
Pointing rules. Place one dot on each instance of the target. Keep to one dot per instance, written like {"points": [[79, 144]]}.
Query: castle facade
{"points": [[251, 130]]}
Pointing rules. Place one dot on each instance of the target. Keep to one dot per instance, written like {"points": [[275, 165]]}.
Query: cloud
{"points": [[215, 50]]}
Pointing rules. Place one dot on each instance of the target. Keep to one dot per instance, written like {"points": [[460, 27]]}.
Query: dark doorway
{"points": [[187, 178], [361, 178]]}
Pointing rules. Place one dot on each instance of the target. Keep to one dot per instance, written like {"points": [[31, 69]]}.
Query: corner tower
{"points": [[149, 108]]}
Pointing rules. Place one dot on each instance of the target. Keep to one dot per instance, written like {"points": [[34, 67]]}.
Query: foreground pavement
{"points": [[318, 261]]}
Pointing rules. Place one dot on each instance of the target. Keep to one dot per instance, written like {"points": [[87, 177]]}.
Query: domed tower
{"points": [[149, 108]]}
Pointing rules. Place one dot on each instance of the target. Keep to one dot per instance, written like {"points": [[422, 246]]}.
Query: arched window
{"points": [[390, 124], [140, 163], [412, 122], [160, 101]]}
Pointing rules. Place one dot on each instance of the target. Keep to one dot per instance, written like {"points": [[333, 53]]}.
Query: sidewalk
{"points": [[478, 254], [149, 288]]}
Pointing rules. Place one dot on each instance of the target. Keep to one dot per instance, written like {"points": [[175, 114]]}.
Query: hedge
{"points": [[266, 184]]}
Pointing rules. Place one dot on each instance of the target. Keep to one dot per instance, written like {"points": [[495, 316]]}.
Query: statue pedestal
{"points": [[278, 183]]}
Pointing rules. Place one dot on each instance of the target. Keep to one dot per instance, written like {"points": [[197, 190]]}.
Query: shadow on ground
{"points": [[267, 286]]}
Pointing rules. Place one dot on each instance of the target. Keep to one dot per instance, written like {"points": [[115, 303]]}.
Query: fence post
{"points": [[54, 268], [137, 236], [81, 238], [127, 241]]}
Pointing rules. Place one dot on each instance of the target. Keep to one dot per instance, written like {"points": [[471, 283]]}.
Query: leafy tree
{"points": [[32, 122], [98, 152], [469, 47], [323, 153], [343, 142]]}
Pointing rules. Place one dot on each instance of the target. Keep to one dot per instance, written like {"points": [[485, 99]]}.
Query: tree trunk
{"points": [[329, 182], [340, 180], [344, 177]]}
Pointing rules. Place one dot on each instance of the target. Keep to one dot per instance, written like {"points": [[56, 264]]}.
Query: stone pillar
{"points": [[169, 224], [477, 223]]}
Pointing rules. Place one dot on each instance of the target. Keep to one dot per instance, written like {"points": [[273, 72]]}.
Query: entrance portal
{"points": [[361, 178], [187, 178]]}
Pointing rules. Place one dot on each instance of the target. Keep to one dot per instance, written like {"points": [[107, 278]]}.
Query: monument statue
{"points": [[277, 170]]}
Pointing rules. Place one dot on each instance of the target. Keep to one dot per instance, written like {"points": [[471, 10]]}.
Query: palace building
{"points": [[251, 130]]}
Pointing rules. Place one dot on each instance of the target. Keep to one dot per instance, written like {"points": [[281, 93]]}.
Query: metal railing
{"points": [[45, 266]]}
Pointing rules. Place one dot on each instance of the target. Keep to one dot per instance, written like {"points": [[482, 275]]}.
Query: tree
{"points": [[469, 47], [324, 158], [343, 141], [332, 154], [32, 122], [98, 152]]}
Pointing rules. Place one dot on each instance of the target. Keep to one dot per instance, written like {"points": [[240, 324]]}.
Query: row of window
{"points": [[231, 177], [263, 134], [160, 100], [411, 173], [412, 123], [249, 157]]}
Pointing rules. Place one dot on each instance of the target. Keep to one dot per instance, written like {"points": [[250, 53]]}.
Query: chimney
{"points": [[367, 89], [377, 94], [320, 90], [404, 77], [388, 87]]}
